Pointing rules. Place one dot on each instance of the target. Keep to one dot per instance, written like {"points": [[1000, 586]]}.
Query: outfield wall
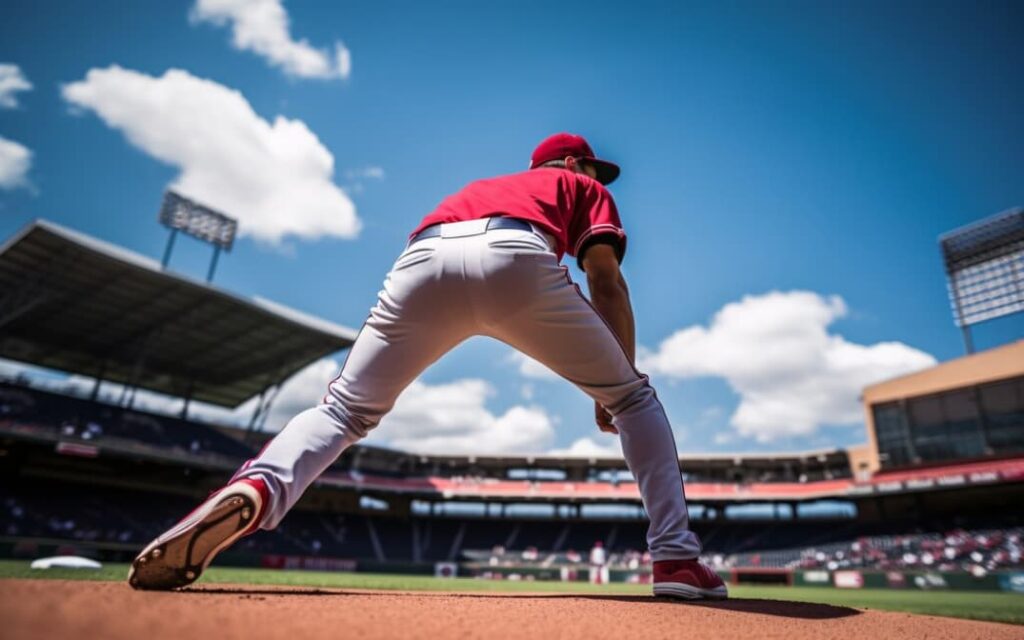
{"points": [[1009, 581], [918, 580]]}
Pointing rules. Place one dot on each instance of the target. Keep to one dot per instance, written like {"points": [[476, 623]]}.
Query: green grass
{"points": [[996, 607]]}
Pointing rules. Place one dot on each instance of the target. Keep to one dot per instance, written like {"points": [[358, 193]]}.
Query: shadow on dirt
{"points": [[779, 608]]}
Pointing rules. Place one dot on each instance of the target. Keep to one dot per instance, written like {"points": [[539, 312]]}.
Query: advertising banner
{"points": [[816, 577], [1012, 582], [848, 579], [446, 569], [310, 563]]}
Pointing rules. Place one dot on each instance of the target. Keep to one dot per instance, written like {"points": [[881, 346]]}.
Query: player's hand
{"points": [[603, 419]]}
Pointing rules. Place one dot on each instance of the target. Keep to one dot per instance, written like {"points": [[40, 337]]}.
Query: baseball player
{"points": [[485, 262]]}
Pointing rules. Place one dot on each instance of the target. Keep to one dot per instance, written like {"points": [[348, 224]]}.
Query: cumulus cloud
{"points": [[276, 178], [452, 418], [15, 161], [588, 448], [445, 418], [12, 81], [261, 26], [530, 368], [776, 353]]}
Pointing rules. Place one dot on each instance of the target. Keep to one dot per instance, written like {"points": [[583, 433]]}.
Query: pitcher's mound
{"points": [[70, 609]]}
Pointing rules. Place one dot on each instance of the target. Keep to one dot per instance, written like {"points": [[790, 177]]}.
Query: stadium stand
{"points": [[42, 412], [974, 551], [100, 476]]}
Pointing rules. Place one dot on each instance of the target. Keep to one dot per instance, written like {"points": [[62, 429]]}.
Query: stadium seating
{"points": [[974, 551], [61, 511], [85, 420]]}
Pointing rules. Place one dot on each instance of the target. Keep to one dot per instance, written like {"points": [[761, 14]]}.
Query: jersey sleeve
{"points": [[595, 219]]}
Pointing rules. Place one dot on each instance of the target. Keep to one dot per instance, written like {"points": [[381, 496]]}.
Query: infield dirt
{"points": [[73, 609]]}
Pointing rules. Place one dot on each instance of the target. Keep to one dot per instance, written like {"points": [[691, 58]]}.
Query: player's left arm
{"points": [[609, 294], [599, 244]]}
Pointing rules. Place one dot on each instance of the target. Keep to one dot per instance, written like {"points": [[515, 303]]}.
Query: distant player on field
{"points": [[485, 262]]}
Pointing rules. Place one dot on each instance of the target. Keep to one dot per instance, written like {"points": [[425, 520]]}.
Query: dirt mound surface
{"points": [[69, 609]]}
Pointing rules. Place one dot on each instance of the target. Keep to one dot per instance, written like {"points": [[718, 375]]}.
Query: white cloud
{"points": [[15, 161], [356, 177], [530, 368], [444, 418], [12, 81], [261, 26], [452, 418], [586, 447], [369, 173], [791, 374], [275, 178], [724, 438]]}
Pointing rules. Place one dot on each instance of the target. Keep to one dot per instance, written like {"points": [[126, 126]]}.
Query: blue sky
{"points": [[814, 150]]}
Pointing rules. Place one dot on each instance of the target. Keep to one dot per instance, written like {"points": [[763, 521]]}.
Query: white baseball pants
{"points": [[503, 283]]}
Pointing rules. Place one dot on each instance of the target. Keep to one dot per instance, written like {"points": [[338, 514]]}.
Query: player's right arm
{"points": [[609, 294]]}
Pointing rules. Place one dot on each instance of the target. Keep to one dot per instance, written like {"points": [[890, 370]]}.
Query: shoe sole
{"points": [[684, 591], [179, 557]]}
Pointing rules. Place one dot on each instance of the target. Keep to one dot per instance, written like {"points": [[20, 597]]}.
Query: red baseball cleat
{"points": [[178, 557], [689, 580]]}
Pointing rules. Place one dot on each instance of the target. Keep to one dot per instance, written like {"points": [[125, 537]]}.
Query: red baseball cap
{"points": [[560, 145]]}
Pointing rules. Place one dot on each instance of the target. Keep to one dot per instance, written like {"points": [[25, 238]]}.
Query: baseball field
{"points": [[247, 603]]}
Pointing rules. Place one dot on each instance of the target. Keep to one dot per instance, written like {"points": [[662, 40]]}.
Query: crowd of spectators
{"points": [[92, 422], [531, 556], [976, 551]]}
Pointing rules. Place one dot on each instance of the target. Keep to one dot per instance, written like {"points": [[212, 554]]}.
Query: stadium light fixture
{"points": [[179, 213], [985, 269]]}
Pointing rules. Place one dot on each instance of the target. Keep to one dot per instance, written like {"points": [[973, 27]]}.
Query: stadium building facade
{"points": [[971, 408]]}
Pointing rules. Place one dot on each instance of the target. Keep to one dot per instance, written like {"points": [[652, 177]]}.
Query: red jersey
{"points": [[572, 207]]}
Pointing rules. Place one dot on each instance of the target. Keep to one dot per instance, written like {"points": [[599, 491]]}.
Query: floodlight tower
{"points": [[985, 269], [179, 213]]}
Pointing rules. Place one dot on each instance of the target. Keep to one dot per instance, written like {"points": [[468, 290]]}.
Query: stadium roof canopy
{"points": [[76, 304]]}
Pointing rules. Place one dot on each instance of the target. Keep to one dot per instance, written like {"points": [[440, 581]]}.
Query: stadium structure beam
{"points": [[139, 366], [266, 409], [188, 399], [256, 412], [99, 380], [264, 404]]}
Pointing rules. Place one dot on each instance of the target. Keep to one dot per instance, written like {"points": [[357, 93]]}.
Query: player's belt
{"points": [[434, 230]]}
